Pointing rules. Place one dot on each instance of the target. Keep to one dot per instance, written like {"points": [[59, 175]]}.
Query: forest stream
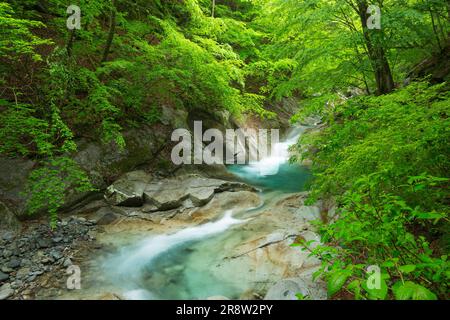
{"points": [[211, 259], [127, 130]]}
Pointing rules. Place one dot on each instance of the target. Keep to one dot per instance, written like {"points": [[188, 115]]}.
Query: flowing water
{"points": [[179, 265], [275, 172]]}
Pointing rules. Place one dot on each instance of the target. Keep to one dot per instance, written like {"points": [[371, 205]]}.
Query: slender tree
{"points": [[375, 50], [112, 28]]}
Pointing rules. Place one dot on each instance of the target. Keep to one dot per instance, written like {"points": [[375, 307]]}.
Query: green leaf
{"points": [[408, 268], [355, 287], [410, 290], [430, 215], [300, 296], [388, 264], [336, 280]]}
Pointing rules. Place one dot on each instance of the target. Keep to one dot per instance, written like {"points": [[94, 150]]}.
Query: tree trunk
{"points": [[435, 30], [112, 28], [213, 8], [376, 53], [70, 42]]}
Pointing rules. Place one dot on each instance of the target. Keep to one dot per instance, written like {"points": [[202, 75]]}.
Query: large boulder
{"points": [[309, 213], [12, 182], [193, 189], [104, 216], [263, 253], [8, 219], [128, 190], [102, 162]]}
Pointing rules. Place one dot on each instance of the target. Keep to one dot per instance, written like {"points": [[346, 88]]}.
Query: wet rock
{"points": [[23, 273], [16, 284], [104, 216], [55, 254], [26, 294], [67, 262], [13, 263], [128, 190], [3, 276], [287, 289], [148, 207], [25, 262], [38, 272], [12, 181], [31, 278], [57, 239], [47, 260], [6, 291], [5, 269], [266, 255], [108, 218], [44, 243], [7, 236], [7, 253], [175, 192], [309, 213], [201, 196]]}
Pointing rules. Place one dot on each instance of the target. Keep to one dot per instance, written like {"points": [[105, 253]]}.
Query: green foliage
{"points": [[412, 291], [329, 48], [169, 54], [376, 126], [16, 39], [48, 185], [336, 280], [22, 133], [386, 160]]}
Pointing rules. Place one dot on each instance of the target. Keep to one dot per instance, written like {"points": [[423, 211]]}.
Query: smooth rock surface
{"points": [[128, 190], [287, 289], [3, 276], [172, 193], [6, 291]]}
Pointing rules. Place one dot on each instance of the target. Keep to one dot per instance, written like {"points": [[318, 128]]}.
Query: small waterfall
{"points": [[275, 172], [280, 155]]}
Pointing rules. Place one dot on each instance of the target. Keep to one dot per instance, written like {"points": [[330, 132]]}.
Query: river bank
{"points": [[181, 237]]}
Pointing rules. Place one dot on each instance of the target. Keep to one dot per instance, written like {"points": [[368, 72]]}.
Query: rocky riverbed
{"points": [[138, 206], [37, 258]]}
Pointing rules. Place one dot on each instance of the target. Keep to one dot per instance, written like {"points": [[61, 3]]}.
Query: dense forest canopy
{"points": [[381, 91]]}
